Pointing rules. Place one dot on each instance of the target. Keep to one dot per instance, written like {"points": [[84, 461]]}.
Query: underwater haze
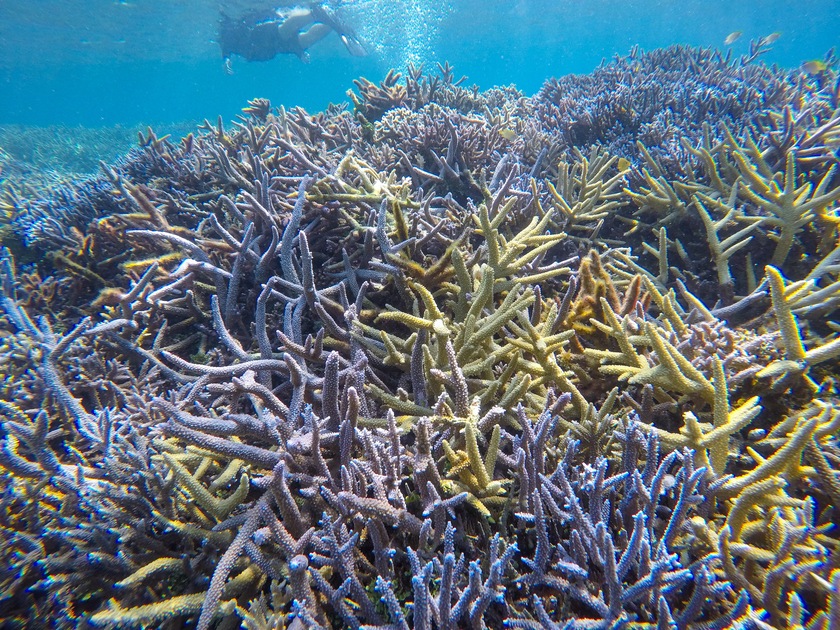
{"points": [[76, 62], [414, 315]]}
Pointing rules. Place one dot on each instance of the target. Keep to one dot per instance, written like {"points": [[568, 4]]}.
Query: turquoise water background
{"points": [[101, 62]]}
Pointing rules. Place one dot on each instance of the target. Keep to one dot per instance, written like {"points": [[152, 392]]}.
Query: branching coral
{"points": [[410, 368]]}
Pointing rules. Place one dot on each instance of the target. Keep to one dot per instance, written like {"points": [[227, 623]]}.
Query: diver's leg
{"points": [[313, 34], [323, 14], [295, 19], [288, 31]]}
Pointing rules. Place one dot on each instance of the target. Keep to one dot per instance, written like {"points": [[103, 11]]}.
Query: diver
{"points": [[261, 36]]}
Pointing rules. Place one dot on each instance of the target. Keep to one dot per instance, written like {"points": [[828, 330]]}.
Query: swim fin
{"points": [[353, 45], [325, 14]]}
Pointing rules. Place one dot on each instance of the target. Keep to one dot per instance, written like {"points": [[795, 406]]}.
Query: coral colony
{"points": [[441, 358]]}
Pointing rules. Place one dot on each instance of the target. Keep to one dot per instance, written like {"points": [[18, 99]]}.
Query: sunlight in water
{"points": [[399, 32]]}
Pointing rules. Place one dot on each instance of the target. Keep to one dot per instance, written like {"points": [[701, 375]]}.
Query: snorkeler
{"points": [[284, 30]]}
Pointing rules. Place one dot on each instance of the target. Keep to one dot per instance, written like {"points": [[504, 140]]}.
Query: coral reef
{"points": [[451, 359]]}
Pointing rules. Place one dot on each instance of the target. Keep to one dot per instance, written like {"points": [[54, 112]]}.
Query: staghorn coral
{"points": [[285, 374]]}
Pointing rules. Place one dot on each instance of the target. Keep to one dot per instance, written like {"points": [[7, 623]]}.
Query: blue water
{"points": [[101, 62]]}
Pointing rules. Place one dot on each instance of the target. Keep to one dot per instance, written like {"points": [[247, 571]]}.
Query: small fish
{"points": [[507, 134], [623, 164], [772, 37], [732, 37], [814, 67]]}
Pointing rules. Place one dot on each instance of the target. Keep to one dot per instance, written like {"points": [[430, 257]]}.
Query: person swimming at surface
{"points": [[261, 36]]}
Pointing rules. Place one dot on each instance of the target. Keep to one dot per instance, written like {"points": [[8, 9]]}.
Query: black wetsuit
{"points": [[255, 37]]}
